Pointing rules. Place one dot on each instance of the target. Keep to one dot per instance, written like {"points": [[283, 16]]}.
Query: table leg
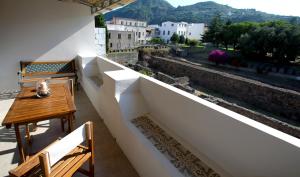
{"points": [[70, 123], [62, 123], [19, 142], [28, 137]]}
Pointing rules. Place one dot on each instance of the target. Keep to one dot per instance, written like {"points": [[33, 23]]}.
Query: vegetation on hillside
{"points": [[157, 11]]}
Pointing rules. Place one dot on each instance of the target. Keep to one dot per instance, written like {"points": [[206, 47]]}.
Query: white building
{"points": [[192, 31], [129, 25]]}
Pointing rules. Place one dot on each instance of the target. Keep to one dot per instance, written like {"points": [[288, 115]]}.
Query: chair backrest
{"points": [[61, 148]]}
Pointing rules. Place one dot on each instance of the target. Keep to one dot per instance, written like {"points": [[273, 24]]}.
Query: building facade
{"points": [[137, 28], [120, 40], [193, 31]]}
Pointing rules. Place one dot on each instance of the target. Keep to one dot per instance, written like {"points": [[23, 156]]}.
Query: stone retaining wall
{"points": [[124, 57], [282, 102]]}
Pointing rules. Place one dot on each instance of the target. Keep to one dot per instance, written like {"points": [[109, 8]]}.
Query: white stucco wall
{"points": [[136, 29], [100, 40], [226, 140], [42, 30], [195, 31], [191, 31], [230, 143]]}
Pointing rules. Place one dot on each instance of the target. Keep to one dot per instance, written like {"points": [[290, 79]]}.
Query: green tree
{"points": [[214, 32], [100, 21], [175, 38], [276, 40], [239, 29], [226, 35], [181, 39], [187, 41]]}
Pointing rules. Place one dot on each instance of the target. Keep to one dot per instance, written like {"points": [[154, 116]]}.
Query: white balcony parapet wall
{"points": [[233, 145]]}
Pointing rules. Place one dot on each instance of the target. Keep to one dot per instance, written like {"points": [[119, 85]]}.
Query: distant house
{"points": [[191, 31], [126, 27], [120, 40]]}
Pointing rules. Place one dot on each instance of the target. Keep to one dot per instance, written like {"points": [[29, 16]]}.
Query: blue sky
{"points": [[280, 7]]}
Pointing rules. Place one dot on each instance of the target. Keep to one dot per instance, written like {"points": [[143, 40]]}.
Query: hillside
{"points": [[157, 11]]}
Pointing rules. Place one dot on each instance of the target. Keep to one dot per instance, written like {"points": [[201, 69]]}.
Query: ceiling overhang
{"points": [[102, 6]]}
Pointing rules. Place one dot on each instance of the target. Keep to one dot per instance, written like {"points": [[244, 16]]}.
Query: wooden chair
{"points": [[62, 158]]}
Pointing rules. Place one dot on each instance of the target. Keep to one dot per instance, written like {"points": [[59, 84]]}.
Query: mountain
{"points": [[157, 11], [152, 11]]}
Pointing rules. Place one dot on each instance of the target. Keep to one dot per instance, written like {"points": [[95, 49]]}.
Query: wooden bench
{"points": [[34, 70], [62, 158]]}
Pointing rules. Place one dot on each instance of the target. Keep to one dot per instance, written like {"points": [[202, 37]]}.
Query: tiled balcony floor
{"points": [[109, 159]]}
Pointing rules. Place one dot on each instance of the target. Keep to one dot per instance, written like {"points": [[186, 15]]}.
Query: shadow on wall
{"points": [[42, 30]]}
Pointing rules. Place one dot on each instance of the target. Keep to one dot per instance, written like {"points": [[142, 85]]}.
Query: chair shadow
{"points": [[47, 132]]}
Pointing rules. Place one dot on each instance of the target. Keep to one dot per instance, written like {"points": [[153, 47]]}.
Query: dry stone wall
{"points": [[282, 102]]}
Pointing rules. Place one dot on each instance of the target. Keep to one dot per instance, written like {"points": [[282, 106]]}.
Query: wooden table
{"points": [[27, 108]]}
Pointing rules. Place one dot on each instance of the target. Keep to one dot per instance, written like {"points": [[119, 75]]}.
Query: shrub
{"points": [[156, 40], [218, 56], [194, 43], [146, 72]]}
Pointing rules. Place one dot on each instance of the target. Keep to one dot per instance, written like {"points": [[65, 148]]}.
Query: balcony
{"points": [[143, 127]]}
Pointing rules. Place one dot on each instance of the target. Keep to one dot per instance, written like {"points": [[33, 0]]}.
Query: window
{"points": [[135, 23], [119, 36], [164, 32], [109, 35], [130, 23], [190, 34], [111, 45], [168, 32], [172, 24], [139, 34], [129, 36], [122, 23]]}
